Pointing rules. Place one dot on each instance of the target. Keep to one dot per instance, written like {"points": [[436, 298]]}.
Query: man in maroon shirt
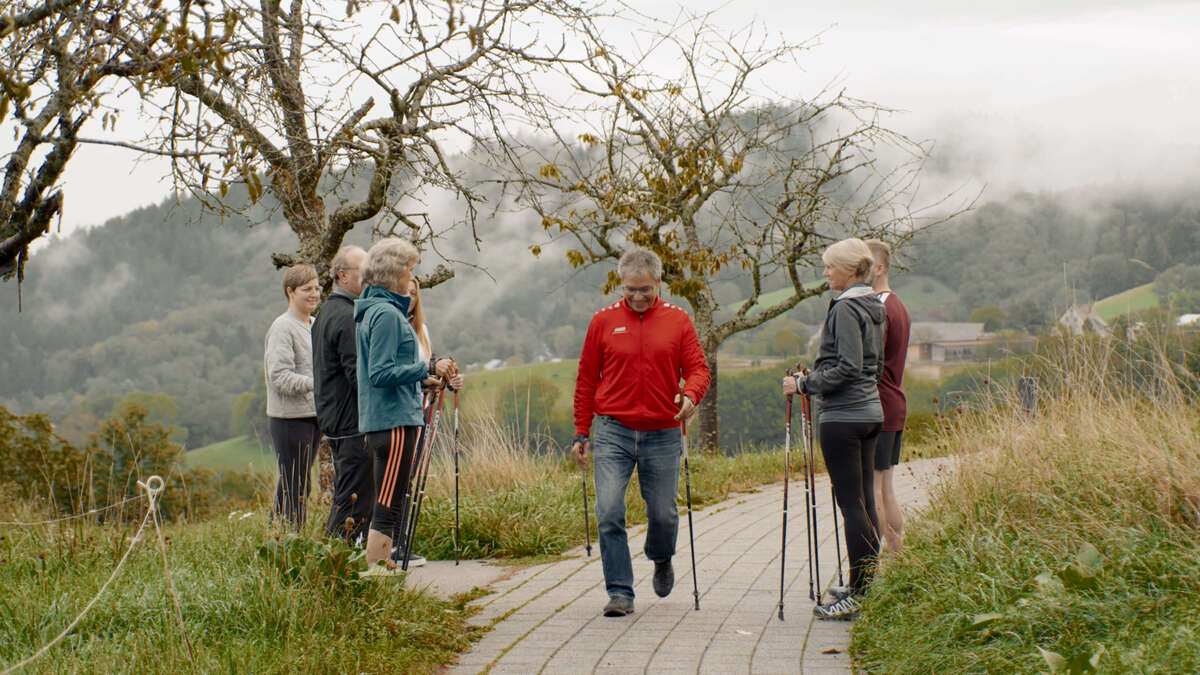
{"points": [[635, 353], [891, 395]]}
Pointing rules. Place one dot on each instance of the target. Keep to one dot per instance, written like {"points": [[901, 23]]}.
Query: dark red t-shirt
{"points": [[895, 350]]}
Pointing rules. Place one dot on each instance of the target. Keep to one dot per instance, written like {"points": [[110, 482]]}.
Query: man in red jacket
{"points": [[634, 355]]}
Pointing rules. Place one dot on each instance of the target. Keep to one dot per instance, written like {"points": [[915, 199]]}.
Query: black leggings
{"points": [[295, 442], [394, 451], [849, 450]]}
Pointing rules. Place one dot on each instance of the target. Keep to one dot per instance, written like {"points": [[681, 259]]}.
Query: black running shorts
{"points": [[887, 450]]}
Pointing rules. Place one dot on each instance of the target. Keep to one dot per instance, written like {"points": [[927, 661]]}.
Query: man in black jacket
{"points": [[335, 388]]}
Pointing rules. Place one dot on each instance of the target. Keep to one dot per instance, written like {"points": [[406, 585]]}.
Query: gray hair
{"points": [[387, 261], [852, 255], [640, 260], [340, 259]]}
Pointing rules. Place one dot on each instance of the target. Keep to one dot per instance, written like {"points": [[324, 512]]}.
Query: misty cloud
{"points": [[88, 300]]}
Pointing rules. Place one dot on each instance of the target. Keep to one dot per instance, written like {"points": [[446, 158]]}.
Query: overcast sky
{"points": [[1043, 94]]}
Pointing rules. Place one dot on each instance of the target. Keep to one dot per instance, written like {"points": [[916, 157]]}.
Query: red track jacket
{"points": [[631, 365]]}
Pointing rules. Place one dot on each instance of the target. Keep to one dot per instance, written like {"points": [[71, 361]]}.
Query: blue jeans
{"points": [[616, 450]]}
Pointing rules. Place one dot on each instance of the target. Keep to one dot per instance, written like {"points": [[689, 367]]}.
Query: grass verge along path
{"points": [[1069, 542]]}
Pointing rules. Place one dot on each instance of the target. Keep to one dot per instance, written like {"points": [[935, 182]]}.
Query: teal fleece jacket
{"points": [[389, 369]]}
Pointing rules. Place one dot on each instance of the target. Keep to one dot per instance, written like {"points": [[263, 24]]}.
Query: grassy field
{"points": [[1066, 542], [921, 293], [252, 600], [236, 454], [1132, 300], [256, 599], [770, 298]]}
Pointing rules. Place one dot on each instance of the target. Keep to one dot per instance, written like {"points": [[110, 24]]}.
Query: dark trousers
{"points": [[295, 442], [849, 451], [353, 489]]}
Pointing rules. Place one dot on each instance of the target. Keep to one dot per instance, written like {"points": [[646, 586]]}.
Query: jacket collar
{"points": [[400, 301], [858, 290], [658, 302], [342, 293]]}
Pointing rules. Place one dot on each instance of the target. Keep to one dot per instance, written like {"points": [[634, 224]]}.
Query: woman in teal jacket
{"points": [[390, 372]]}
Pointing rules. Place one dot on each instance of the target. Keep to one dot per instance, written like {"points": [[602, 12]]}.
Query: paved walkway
{"points": [[547, 617]]}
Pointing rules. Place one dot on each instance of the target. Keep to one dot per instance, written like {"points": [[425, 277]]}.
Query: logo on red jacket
{"points": [[618, 330]]}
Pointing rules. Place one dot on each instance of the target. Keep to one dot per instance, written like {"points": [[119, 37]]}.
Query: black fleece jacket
{"points": [[335, 377]]}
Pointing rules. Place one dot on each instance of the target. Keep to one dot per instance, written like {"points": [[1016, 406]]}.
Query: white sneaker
{"points": [[381, 569]]}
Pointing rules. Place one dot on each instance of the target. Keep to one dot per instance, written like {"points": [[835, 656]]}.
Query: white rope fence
{"points": [[152, 488], [85, 514]]}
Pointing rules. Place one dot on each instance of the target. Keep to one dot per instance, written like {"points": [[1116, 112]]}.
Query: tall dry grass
{"points": [[1068, 538], [1097, 437]]}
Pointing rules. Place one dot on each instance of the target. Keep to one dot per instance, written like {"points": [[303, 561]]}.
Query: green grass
{"points": [[921, 293], [251, 602], [1132, 300], [480, 389], [1061, 540], [256, 600], [769, 299], [539, 512], [236, 454]]}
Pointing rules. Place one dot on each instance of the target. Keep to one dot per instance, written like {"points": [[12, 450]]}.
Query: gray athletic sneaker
{"points": [[414, 560], [845, 609], [618, 605]]}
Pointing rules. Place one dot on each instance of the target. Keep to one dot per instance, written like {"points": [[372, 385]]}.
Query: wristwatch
{"points": [[581, 438]]}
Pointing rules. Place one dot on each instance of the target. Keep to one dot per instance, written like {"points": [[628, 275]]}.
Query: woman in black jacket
{"points": [[844, 379]]}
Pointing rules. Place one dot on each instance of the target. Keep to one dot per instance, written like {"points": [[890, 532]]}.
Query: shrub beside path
{"points": [[546, 618]]}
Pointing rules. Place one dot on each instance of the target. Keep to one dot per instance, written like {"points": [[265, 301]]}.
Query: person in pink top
{"points": [[891, 395]]}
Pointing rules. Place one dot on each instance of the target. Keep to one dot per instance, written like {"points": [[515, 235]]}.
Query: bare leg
{"points": [[891, 519], [379, 547]]}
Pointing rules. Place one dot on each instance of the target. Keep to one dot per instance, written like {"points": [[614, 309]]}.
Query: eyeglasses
{"points": [[638, 290]]}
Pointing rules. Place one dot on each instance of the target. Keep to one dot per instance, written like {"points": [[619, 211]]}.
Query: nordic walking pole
{"points": [[807, 497], [456, 531], [400, 529], [422, 475], [837, 538], [806, 403], [587, 527], [787, 461], [687, 476]]}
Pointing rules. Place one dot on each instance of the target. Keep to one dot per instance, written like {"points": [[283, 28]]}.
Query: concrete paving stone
{"points": [[723, 668], [661, 669], [528, 656], [776, 665], [511, 669], [566, 668], [615, 668]]}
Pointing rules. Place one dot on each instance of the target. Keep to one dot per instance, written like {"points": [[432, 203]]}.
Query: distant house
{"points": [[1188, 321], [1083, 319], [944, 341]]}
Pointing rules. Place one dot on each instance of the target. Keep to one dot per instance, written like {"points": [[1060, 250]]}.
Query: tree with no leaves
{"points": [[717, 178], [284, 99], [58, 71]]}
